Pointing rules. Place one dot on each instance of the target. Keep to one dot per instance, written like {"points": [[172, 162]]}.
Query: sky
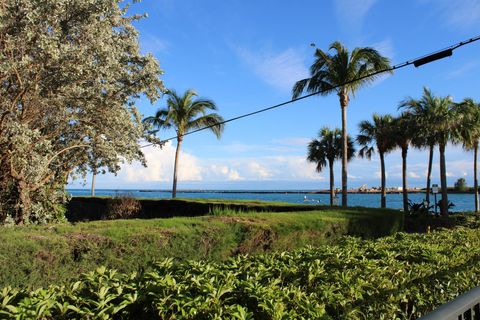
{"points": [[246, 55]]}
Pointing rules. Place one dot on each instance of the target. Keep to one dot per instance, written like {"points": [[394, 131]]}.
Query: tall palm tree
{"points": [[440, 118], [444, 124], [185, 113], [423, 113], [469, 135], [343, 73], [404, 128], [377, 134], [327, 149]]}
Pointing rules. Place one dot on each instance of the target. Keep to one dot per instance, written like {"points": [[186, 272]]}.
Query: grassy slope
{"points": [[38, 256]]}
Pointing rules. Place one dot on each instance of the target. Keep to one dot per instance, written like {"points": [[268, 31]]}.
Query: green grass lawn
{"points": [[34, 256]]}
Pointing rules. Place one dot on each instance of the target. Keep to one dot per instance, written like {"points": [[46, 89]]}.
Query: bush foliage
{"points": [[34, 256], [397, 277], [123, 207]]}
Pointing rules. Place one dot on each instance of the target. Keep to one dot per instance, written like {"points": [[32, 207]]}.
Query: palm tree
{"points": [[185, 113], [343, 73], [444, 124], [404, 128], [440, 117], [469, 135], [377, 134], [423, 113], [327, 149]]}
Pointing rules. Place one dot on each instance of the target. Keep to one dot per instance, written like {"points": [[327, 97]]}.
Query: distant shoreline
{"points": [[278, 191]]}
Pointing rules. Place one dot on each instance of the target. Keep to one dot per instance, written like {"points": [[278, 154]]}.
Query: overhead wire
{"points": [[442, 53]]}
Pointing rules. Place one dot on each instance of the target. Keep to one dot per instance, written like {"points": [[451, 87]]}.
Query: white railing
{"points": [[464, 307]]}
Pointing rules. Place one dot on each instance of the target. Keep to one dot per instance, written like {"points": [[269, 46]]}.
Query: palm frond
{"points": [[212, 121]]}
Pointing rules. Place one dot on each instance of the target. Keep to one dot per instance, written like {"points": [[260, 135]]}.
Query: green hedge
{"points": [[96, 208], [33, 256], [397, 277]]}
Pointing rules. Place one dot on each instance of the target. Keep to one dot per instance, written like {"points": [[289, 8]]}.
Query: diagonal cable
{"points": [[417, 62]]}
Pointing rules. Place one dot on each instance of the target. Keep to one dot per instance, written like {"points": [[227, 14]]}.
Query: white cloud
{"points": [[160, 166], [353, 12], [280, 70], [462, 14], [292, 168], [233, 175], [385, 47], [153, 44], [221, 172], [258, 170], [465, 69], [278, 146], [268, 168], [378, 174], [295, 168], [413, 175], [293, 141]]}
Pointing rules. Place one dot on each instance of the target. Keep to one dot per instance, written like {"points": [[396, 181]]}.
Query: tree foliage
{"points": [[461, 184], [69, 74], [185, 113], [343, 73], [326, 150]]}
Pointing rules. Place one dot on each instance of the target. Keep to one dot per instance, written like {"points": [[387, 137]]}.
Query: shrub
{"points": [[418, 209], [122, 207], [398, 277]]}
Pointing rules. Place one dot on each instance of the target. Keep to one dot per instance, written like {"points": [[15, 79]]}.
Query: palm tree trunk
{"points": [[332, 182], [383, 196], [429, 174], [404, 179], [443, 181], [93, 183], [344, 151], [475, 179], [175, 168]]}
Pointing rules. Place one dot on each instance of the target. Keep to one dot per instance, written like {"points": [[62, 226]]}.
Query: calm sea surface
{"points": [[463, 202]]}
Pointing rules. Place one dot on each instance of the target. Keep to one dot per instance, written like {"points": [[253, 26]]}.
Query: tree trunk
{"points": [[429, 174], [383, 196], [93, 184], [175, 168], [404, 179], [475, 179], [332, 182], [344, 104], [443, 182], [24, 205]]}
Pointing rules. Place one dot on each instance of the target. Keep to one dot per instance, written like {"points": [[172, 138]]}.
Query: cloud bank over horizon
{"points": [[276, 171]]}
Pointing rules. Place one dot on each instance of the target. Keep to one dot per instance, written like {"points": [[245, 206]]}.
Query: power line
{"points": [[436, 55]]}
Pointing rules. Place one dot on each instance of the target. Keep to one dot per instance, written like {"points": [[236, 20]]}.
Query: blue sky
{"points": [[246, 55]]}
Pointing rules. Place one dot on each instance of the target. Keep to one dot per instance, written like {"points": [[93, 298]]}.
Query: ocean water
{"points": [[462, 202]]}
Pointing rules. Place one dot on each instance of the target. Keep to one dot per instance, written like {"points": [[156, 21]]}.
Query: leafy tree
{"points": [[338, 73], [185, 113], [326, 149], [469, 135], [70, 72], [404, 129], [377, 134], [461, 185]]}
